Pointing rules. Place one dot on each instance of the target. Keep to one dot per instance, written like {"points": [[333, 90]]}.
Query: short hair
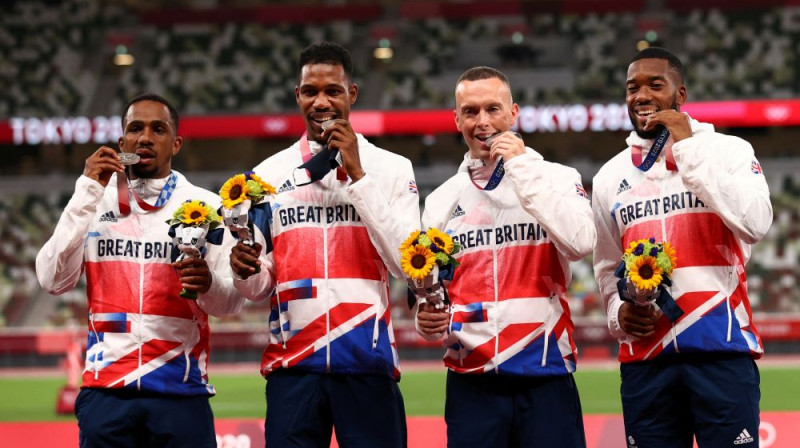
{"points": [[483, 72], [326, 53], [173, 113], [675, 64]]}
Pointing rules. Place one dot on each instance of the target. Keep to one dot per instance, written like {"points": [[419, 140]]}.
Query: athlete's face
{"points": [[149, 132], [324, 93], [483, 108], [651, 86]]}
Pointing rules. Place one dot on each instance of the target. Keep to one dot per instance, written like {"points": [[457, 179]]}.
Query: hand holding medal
{"points": [[499, 170], [128, 158], [504, 150], [318, 166]]}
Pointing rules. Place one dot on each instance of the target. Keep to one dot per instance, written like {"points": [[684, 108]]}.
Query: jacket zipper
{"points": [[731, 287], [97, 339], [140, 325], [496, 303], [663, 220], [280, 318], [327, 301], [379, 307], [547, 329], [186, 353]]}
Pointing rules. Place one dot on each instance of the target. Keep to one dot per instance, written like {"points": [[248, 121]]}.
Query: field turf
{"points": [[242, 395]]}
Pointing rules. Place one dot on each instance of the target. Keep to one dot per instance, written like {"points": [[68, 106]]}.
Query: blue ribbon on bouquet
{"points": [[664, 299]]}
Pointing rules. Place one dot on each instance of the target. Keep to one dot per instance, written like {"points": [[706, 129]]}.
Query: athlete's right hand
{"points": [[102, 164], [244, 259], [638, 320], [431, 320]]}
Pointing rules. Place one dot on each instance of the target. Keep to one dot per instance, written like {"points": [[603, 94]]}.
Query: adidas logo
{"points": [[108, 216], [287, 186], [744, 437], [623, 186], [457, 212]]}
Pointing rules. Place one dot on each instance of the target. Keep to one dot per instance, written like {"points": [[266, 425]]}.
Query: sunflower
{"points": [[234, 191], [441, 240], [194, 213], [410, 241], [417, 261], [645, 273], [632, 246]]}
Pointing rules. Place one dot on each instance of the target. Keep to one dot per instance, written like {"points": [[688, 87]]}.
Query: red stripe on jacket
{"points": [[695, 237], [350, 254]]}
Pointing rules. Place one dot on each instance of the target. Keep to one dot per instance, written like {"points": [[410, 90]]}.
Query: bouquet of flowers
{"points": [[189, 228], [645, 273], [426, 258], [239, 194]]}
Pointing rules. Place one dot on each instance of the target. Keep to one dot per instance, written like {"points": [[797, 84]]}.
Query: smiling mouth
{"points": [[645, 113], [325, 121], [485, 139]]}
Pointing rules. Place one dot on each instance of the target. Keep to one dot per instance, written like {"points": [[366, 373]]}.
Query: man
{"points": [[520, 221], [331, 360], [145, 382], [689, 373]]}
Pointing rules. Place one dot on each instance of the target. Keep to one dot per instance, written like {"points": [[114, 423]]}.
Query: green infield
{"points": [[242, 395]]}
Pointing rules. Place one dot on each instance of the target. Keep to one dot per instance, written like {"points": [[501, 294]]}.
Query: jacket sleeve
{"points": [[389, 211], [222, 298], [724, 173], [554, 196], [607, 256], [59, 264]]}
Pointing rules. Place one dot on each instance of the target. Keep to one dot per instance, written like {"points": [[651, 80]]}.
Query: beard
{"points": [[142, 172], [653, 133]]}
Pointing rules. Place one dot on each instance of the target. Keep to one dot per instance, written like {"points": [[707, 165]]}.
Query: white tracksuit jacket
{"points": [[711, 209], [327, 277], [142, 334], [509, 311]]}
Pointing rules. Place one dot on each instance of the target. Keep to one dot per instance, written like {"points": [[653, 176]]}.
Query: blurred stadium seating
{"points": [[227, 59]]}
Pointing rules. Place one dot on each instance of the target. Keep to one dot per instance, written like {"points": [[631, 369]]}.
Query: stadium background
{"points": [[67, 68]]}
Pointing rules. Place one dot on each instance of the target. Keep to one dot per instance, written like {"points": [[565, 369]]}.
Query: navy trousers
{"points": [[130, 419], [713, 397], [302, 408], [499, 411]]}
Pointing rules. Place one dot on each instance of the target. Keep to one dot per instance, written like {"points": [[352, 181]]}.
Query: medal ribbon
{"points": [[494, 180], [320, 164], [124, 189], [655, 151]]}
